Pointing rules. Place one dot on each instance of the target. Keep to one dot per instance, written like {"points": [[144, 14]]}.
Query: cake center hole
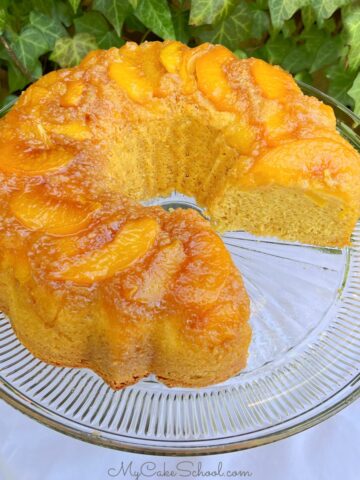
{"points": [[176, 200], [171, 205]]}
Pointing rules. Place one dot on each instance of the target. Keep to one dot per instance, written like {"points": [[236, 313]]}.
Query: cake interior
{"points": [[202, 164]]}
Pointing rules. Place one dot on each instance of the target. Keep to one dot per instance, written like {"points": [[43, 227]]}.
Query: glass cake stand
{"points": [[304, 362]]}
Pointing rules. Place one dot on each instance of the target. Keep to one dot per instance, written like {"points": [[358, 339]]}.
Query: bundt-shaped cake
{"points": [[89, 276]]}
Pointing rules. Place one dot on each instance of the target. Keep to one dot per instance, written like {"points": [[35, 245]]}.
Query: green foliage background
{"points": [[316, 40]]}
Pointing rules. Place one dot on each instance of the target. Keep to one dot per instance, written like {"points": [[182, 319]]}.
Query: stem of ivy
{"points": [[15, 59]]}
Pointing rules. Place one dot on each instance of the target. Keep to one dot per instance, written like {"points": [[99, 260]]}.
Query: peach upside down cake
{"points": [[92, 278]]}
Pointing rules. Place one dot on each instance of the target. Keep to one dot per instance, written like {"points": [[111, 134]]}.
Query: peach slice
{"points": [[158, 277], [34, 133], [171, 56], [311, 111], [227, 319], [188, 66], [49, 79], [211, 76], [37, 211], [73, 130], [38, 91], [202, 278], [90, 59], [128, 246], [276, 123], [272, 80], [320, 163], [132, 80], [35, 95], [73, 94], [15, 159], [241, 136]]}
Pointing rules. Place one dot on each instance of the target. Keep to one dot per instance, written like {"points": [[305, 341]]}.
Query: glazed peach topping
{"points": [[82, 236], [268, 107]]}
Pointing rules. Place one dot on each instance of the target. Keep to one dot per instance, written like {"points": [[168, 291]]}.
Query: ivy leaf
{"points": [[233, 30], [289, 28], [114, 10], [156, 15], [340, 82], [351, 21], [17, 80], [49, 27], [325, 8], [43, 6], [282, 10], [296, 60], [262, 4], [110, 39], [75, 4], [277, 48], [28, 46], [57, 9], [329, 25], [64, 13], [260, 22], [68, 52], [18, 13], [205, 12], [354, 93], [133, 24], [308, 16], [95, 24], [133, 3], [260, 52], [313, 38], [327, 54], [180, 20]]}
